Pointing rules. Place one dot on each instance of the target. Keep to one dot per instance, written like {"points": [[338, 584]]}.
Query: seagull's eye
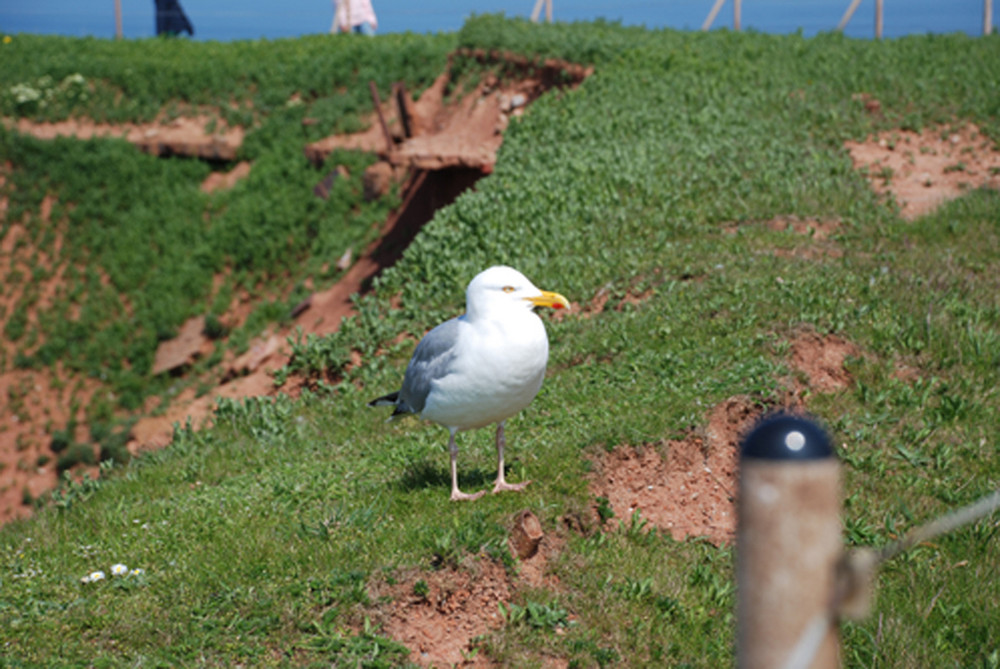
{"points": [[509, 289]]}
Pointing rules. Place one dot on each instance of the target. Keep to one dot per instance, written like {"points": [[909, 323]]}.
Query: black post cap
{"points": [[786, 437]]}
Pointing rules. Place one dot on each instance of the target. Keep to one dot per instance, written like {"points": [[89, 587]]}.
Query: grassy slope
{"points": [[258, 536], [125, 216]]}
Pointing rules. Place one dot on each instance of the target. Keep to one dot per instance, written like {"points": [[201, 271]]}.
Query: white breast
{"points": [[498, 370]]}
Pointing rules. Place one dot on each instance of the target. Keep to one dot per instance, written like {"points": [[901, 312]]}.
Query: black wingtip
{"points": [[385, 400]]}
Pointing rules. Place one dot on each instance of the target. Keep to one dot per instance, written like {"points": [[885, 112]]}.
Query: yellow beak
{"points": [[547, 299]]}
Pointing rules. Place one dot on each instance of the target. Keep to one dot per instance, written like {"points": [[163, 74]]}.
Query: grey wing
{"points": [[430, 361]]}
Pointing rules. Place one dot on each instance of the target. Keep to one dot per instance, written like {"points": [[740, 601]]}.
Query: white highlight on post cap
{"points": [[795, 440]]}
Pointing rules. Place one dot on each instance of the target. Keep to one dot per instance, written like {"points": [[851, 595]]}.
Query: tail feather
{"points": [[389, 400], [400, 407]]}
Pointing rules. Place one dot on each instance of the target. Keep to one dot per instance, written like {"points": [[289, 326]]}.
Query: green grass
{"points": [[258, 537]]}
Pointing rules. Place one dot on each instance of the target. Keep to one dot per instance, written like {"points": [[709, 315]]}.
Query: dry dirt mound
{"points": [[431, 133], [821, 360], [686, 487], [438, 614], [186, 136], [923, 170]]}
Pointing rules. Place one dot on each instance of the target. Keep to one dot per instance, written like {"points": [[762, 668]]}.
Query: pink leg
{"points": [[456, 494], [501, 484]]}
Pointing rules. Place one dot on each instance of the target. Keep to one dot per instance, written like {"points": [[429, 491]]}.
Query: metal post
{"points": [[788, 543]]}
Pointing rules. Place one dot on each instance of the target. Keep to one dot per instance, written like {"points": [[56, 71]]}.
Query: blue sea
{"points": [[226, 20]]}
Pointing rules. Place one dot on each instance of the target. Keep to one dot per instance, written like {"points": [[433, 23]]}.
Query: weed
{"points": [[534, 614]]}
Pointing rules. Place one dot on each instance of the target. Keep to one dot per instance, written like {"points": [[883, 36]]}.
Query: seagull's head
{"points": [[503, 288]]}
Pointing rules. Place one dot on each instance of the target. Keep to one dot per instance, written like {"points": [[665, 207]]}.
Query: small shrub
{"points": [[214, 328], [61, 440], [74, 455]]}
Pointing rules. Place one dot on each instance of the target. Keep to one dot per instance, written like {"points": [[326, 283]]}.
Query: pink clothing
{"points": [[348, 14]]}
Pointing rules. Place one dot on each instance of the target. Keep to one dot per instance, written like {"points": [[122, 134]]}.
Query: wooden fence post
{"points": [[386, 134], [848, 14], [788, 542], [987, 17], [712, 14]]}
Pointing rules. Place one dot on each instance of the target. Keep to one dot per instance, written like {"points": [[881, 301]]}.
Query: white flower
{"points": [[93, 577], [119, 569], [138, 572]]}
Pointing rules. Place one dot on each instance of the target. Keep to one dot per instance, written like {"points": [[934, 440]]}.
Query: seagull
{"points": [[482, 367]]}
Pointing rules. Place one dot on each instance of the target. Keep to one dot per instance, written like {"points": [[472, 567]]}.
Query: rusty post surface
{"points": [[788, 542]]}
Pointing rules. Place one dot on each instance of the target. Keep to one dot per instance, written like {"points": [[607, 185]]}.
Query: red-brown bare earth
{"points": [[923, 170], [439, 620], [688, 486]]}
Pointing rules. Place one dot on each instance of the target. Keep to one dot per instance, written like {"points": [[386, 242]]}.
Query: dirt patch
{"points": [[181, 351], [686, 487], [34, 404], [819, 236], [637, 293], [814, 229], [439, 614], [923, 170], [820, 359], [432, 133], [225, 180], [200, 135]]}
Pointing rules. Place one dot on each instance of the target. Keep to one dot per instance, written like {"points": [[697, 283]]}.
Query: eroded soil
{"points": [[688, 486], [452, 142], [438, 614]]}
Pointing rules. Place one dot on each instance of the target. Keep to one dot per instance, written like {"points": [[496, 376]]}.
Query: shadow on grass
{"points": [[428, 475]]}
